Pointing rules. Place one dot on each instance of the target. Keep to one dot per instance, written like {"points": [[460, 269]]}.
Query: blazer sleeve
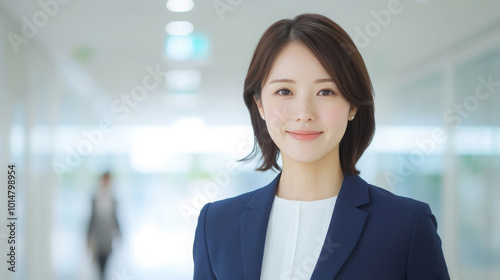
{"points": [[426, 259], [202, 265]]}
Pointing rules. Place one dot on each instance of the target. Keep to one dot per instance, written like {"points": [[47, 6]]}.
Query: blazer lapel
{"points": [[345, 227], [254, 228]]}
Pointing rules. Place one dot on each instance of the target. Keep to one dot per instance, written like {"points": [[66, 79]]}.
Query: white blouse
{"points": [[295, 235]]}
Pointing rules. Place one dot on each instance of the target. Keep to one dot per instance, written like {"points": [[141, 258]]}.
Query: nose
{"points": [[304, 109]]}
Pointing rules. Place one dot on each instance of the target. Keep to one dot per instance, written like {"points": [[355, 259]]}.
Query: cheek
{"points": [[335, 117], [276, 115]]}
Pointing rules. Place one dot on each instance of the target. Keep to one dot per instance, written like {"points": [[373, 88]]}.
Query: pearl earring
{"points": [[263, 117], [352, 117]]}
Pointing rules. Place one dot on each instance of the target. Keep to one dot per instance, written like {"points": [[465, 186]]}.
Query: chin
{"points": [[304, 157]]}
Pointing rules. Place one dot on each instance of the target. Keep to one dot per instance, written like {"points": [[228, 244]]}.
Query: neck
{"points": [[308, 181]]}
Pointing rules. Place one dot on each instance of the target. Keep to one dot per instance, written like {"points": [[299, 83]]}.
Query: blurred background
{"points": [[152, 92]]}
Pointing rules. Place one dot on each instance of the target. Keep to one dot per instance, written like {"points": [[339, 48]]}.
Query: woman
{"points": [[310, 99], [103, 225]]}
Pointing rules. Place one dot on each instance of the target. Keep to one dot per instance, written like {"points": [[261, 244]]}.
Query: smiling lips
{"points": [[304, 135]]}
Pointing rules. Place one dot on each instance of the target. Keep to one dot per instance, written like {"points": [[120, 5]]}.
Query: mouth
{"points": [[304, 135], [305, 132]]}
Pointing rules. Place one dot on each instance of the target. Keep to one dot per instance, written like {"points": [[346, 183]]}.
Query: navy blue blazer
{"points": [[373, 234]]}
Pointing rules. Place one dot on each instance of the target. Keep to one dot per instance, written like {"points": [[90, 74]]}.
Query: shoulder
{"points": [[234, 206], [358, 193], [395, 209], [380, 196], [397, 220], [230, 208], [399, 230], [221, 219]]}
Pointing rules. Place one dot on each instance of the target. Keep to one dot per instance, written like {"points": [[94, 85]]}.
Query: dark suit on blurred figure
{"points": [[103, 226]]}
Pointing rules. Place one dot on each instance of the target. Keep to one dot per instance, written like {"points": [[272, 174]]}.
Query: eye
{"points": [[326, 92], [283, 91]]}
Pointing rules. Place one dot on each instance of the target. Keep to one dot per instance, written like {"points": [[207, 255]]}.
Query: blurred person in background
{"points": [[103, 226]]}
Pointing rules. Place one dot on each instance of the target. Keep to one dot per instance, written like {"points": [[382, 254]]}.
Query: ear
{"points": [[353, 111], [259, 105]]}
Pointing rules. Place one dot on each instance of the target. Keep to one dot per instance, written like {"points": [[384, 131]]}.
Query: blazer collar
{"points": [[345, 228], [254, 228]]}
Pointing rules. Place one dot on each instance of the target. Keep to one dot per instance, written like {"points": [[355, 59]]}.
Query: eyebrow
{"points": [[293, 82]]}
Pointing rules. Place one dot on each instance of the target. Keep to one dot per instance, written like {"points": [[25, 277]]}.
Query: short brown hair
{"points": [[338, 54]]}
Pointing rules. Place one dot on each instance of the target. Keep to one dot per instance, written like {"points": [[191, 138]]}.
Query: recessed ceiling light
{"points": [[190, 47], [185, 79], [180, 5], [179, 28]]}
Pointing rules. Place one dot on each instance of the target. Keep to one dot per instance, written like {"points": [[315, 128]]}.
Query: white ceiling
{"points": [[124, 37]]}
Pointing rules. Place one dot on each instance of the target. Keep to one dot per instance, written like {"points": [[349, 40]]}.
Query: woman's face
{"points": [[305, 113]]}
